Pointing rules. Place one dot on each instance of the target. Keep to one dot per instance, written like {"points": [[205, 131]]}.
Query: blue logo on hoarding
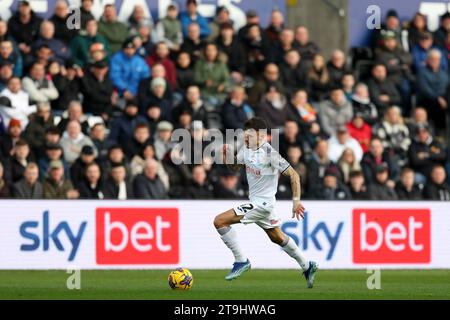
{"points": [[40, 235], [311, 235]]}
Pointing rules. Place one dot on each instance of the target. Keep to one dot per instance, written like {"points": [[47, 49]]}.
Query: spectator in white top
{"points": [[20, 107], [39, 87], [73, 140], [341, 141]]}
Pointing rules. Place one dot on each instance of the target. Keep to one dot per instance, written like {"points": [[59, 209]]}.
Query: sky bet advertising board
{"points": [[167, 234]]}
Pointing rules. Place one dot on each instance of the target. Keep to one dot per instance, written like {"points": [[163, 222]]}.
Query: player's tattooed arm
{"points": [[230, 158], [298, 210]]}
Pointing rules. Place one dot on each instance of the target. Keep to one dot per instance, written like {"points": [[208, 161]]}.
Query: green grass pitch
{"points": [[209, 284]]}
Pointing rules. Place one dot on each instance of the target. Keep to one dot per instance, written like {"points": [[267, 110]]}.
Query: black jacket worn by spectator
{"points": [[111, 189], [433, 191], [403, 194], [144, 94], [366, 109], [294, 78], [236, 58], [261, 87], [359, 195], [234, 117], [307, 51], [96, 94], [336, 74], [321, 192], [24, 33], [274, 117], [378, 191], [316, 172], [22, 190], [62, 32], [185, 78], [395, 62], [62, 125], [220, 192], [258, 53], [194, 49], [436, 154], [144, 188], [386, 87], [197, 114], [200, 192], [14, 170], [77, 171], [85, 16], [5, 190], [369, 165], [69, 90], [35, 134], [89, 192]]}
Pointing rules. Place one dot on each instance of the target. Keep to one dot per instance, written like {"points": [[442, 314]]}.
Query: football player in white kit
{"points": [[263, 165]]}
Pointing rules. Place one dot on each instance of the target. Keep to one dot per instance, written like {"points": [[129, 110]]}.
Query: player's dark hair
{"points": [[256, 123]]}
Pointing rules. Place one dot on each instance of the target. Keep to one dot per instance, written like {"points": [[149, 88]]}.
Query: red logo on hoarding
{"points": [[137, 236], [391, 236]]}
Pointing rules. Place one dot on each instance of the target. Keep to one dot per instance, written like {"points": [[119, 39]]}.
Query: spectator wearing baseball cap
{"points": [[97, 89], [163, 143], [78, 168], [56, 185], [127, 70], [382, 188], [191, 15], [53, 151]]}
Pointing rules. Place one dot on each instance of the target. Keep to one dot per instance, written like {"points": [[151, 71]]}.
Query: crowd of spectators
{"points": [[89, 113]]}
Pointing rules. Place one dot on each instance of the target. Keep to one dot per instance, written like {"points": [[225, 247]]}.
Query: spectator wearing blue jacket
{"points": [[190, 16], [420, 52], [127, 70], [432, 84]]}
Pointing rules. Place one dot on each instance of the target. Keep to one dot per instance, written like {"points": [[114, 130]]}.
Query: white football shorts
{"points": [[266, 218]]}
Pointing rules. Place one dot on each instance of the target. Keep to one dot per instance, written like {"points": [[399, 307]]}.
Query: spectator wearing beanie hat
{"points": [[156, 97]]}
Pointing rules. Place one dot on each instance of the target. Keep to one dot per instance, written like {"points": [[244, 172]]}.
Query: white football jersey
{"points": [[263, 167]]}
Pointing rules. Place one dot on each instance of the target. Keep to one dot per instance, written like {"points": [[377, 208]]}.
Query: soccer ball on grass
{"points": [[181, 279]]}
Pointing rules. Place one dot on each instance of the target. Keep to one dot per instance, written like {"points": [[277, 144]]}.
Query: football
{"points": [[181, 279]]}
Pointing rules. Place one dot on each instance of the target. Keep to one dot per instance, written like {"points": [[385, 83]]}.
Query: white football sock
{"points": [[228, 236], [291, 249]]}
